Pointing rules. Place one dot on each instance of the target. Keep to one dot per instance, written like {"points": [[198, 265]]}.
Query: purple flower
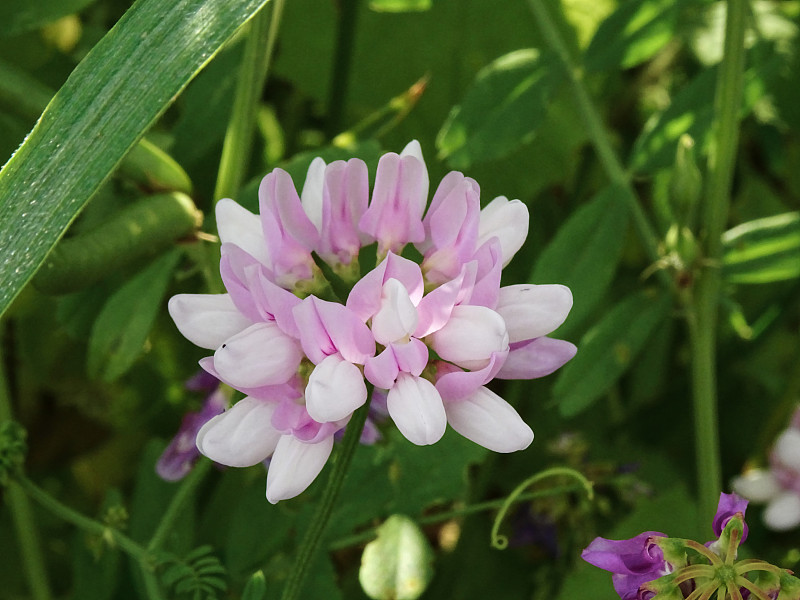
{"points": [[632, 562], [729, 506], [181, 454]]}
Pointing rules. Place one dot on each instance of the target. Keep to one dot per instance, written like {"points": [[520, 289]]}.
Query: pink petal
{"points": [[345, 200], [206, 320], [416, 408], [260, 355], [488, 420], [328, 327], [365, 297], [234, 266], [382, 370], [436, 306], [532, 311], [394, 216], [294, 466], [242, 436], [536, 358], [454, 383], [412, 357], [335, 389], [487, 281]]}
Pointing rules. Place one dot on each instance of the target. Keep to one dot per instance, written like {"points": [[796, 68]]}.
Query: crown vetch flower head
{"points": [[428, 335]]}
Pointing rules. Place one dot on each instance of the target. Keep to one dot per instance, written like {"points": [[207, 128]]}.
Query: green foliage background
{"points": [[135, 100]]}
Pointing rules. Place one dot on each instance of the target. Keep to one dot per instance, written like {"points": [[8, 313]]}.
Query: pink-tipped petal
{"points": [[471, 336], [260, 355], [294, 466], [241, 436], [416, 408], [345, 200], [382, 370], [237, 225], [488, 420], [532, 311], [206, 320], [508, 222], [365, 297], [394, 216], [327, 328], [486, 290], [536, 358], [436, 306], [411, 357], [335, 389], [454, 383], [397, 318]]}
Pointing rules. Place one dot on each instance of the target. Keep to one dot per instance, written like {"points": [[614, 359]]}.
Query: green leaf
{"points": [[501, 111], [763, 250], [607, 350], [128, 79], [399, 5], [121, 328], [396, 565], [632, 34], [584, 253], [256, 587], [19, 16]]}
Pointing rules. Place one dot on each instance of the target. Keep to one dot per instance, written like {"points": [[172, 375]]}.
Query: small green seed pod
{"points": [[149, 166], [686, 184], [138, 231]]}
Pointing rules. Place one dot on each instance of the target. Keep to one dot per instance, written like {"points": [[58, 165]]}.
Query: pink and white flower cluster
{"points": [[779, 485], [431, 334]]}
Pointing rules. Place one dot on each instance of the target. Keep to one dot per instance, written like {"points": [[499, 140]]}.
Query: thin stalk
{"points": [[342, 60], [704, 307], [369, 534], [319, 521], [21, 514], [89, 525], [260, 43], [599, 138], [178, 503]]}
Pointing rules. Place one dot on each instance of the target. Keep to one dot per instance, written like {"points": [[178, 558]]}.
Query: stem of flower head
{"points": [[500, 541], [599, 138], [342, 59], [22, 515], [259, 45], [313, 535], [703, 309]]}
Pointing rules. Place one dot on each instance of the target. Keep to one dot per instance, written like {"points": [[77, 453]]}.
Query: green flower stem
{"points": [[597, 133], [704, 305], [343, 58], [260, 43], [22, 516], [369, 534], [89, 525], [319, 521], [178, 503]]}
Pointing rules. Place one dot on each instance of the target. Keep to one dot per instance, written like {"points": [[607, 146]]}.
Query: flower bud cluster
{"points": [[430, 334]]}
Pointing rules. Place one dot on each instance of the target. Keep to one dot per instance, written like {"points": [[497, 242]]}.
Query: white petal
{"points": [[397, 317], [506, 220], [758, 485], [294, 466], [414, 149], [783, 513], [488, 420], [416, 408], [531, 311], [311, 197], [787, 449], [470, 337], [241, 436], [237, 225], [335, 389], [260, 355], [206, 320]]}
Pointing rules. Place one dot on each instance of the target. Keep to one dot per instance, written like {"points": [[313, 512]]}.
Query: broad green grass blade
{"points": [[763, 251], [108, 102]]}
